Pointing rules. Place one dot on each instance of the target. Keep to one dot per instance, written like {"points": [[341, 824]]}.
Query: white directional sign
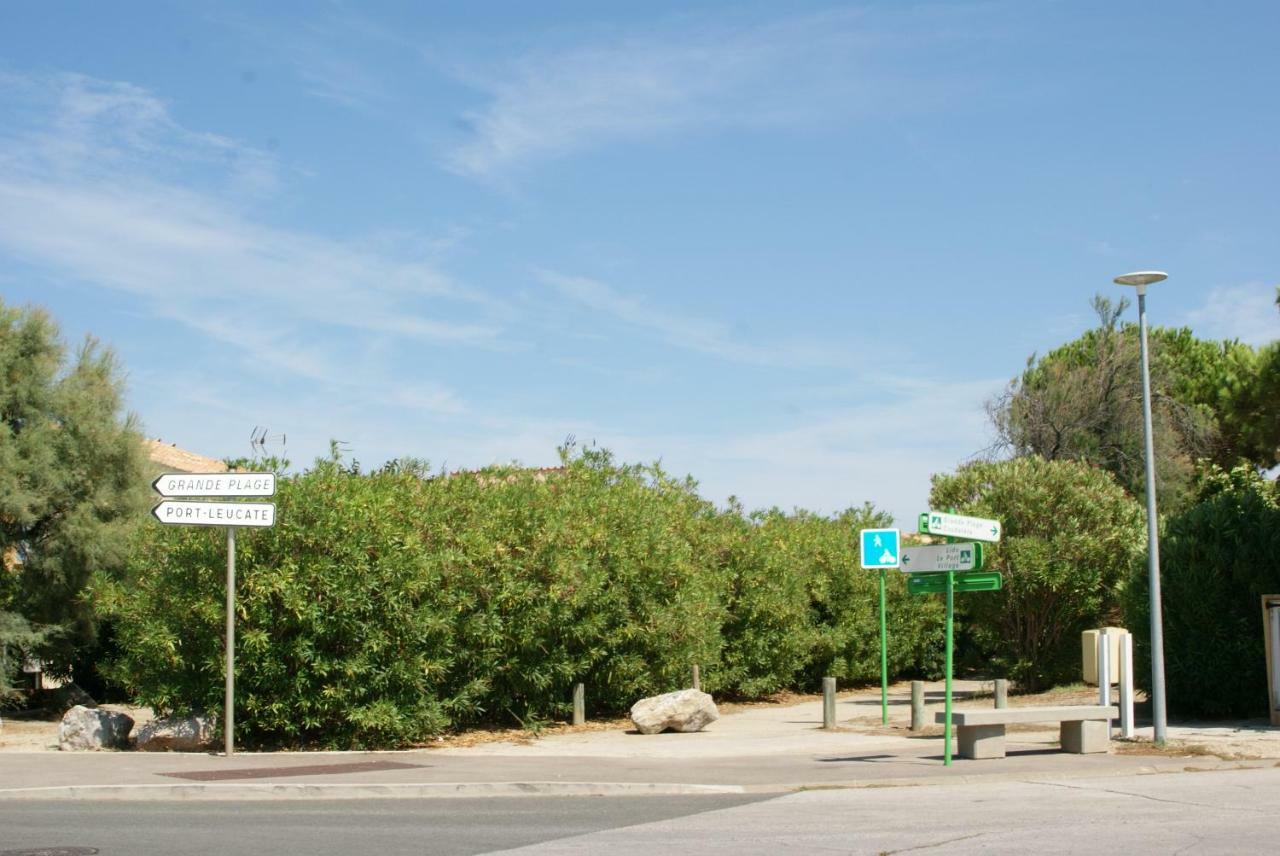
{"points": [[942, 557], [216, 513], [957, 526], [216, 484]]}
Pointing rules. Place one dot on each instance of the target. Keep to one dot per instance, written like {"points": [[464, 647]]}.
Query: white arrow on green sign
{"points": [[942, 557], [959, 526]]}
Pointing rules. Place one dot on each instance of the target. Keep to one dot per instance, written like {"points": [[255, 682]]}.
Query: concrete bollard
{"points": [[697, 679], [1126, 686], [1002, 693], [917, 705], [579, 704], [828, 702]]}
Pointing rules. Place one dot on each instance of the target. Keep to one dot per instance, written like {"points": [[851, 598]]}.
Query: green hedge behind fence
{"points": [[384, 608]]}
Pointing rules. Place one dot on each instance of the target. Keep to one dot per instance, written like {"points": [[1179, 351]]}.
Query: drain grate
{"points": [[274, 772], [52, 851]]}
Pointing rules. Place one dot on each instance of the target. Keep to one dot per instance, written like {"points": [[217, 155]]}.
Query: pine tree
{"points": [[72, 481]]}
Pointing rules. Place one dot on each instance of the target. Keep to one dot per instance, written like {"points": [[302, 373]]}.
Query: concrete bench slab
{"points": [[1083, 729]]}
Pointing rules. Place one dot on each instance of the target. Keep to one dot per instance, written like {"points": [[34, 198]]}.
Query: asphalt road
{"points": [[1231, 811]]}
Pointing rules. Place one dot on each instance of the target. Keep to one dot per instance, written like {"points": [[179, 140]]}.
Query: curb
{"points": [[266, 791], [290, 791]]}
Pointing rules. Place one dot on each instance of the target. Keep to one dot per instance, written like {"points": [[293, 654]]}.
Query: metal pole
{"points": [[884, 657], [579, 704], [1002, 693], [946, 735], [1104, 668], [228, 703], [1158, 717]]}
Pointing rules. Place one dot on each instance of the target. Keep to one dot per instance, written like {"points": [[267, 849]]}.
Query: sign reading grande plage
{"points": [[216, 484], [959, 526]]}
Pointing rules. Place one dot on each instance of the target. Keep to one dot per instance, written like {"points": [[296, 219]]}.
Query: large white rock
{"points": [[176, 734], [685, 710], [88, 728]]}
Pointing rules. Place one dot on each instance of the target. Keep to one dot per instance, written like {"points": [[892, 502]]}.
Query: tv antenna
{"points": [[259, 438]]}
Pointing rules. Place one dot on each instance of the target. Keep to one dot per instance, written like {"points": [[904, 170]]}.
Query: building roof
{"points": [[170, 457]]}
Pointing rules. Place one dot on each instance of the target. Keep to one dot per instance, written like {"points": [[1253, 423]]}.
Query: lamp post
{"points": [[1142, 279]]}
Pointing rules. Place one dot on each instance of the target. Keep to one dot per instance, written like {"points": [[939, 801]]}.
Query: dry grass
{"points": [[504, 734], [1179, 749]]}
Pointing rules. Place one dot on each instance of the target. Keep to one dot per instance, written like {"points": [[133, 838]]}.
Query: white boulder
{"points": [[89, 728], [176, 734], [685, 710]]}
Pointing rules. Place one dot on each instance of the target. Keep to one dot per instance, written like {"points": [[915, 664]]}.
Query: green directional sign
{"points": [[959, 526], [937, 583]]}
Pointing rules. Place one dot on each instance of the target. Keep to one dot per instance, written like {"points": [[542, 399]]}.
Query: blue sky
{"points": [[789, 249]]}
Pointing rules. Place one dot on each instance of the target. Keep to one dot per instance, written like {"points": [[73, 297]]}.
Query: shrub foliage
{"points": [[1071, 537], [1217, 560], [384, 608]]}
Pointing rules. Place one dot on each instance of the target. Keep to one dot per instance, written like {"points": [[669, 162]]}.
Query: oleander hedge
{"points": [[386, 607], [1217, 559]]}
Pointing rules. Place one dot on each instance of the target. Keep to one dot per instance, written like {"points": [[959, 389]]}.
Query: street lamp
{"points": [[1141, 279]]}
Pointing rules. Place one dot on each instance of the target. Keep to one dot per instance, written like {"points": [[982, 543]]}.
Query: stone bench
{"points": [[1083, 729]]}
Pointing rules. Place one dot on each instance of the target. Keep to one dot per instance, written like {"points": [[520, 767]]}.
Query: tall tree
{"points": [[1083, 401], [71, 475]]}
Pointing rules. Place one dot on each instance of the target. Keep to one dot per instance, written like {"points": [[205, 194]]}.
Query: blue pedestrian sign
{"points": [[880, 548]]}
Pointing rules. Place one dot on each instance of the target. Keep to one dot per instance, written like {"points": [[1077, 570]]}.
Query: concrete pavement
{"points": [[760, 749]]}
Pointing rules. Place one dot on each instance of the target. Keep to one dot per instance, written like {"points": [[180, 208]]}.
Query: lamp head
{"points": [[1141, 279]]}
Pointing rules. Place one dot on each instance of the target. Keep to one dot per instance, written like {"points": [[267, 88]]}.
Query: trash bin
{"points": [[1089, 653]]}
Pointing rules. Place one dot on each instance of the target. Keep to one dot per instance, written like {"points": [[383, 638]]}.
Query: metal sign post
{"points": [[879, 548], [228, 699], [927, 565], [951, 597], [231, 515]]}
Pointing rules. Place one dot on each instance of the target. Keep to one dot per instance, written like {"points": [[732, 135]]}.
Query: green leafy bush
{"points": [[386, 607], [1071, 538], [1217, 560], [801, 607]]}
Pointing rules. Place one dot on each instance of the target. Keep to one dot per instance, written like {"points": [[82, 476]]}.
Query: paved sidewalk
{"points": [[769, 749]]}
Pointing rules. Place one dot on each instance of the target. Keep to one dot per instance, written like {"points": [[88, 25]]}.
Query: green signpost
{"points": [[879, 548], [947, 569]]}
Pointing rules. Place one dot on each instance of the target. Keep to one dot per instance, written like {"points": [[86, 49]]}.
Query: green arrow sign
{"points": [[957, 526], [937, 583]]}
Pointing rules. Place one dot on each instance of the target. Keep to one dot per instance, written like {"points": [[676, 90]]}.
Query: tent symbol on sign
{"points": [[966, 555]]}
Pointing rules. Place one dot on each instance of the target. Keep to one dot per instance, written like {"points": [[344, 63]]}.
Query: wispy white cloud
{"points": [[827, 460], [78, 127], [695, 334], [1245, 312], [103, 187], [327, 74], [693, 73]]}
